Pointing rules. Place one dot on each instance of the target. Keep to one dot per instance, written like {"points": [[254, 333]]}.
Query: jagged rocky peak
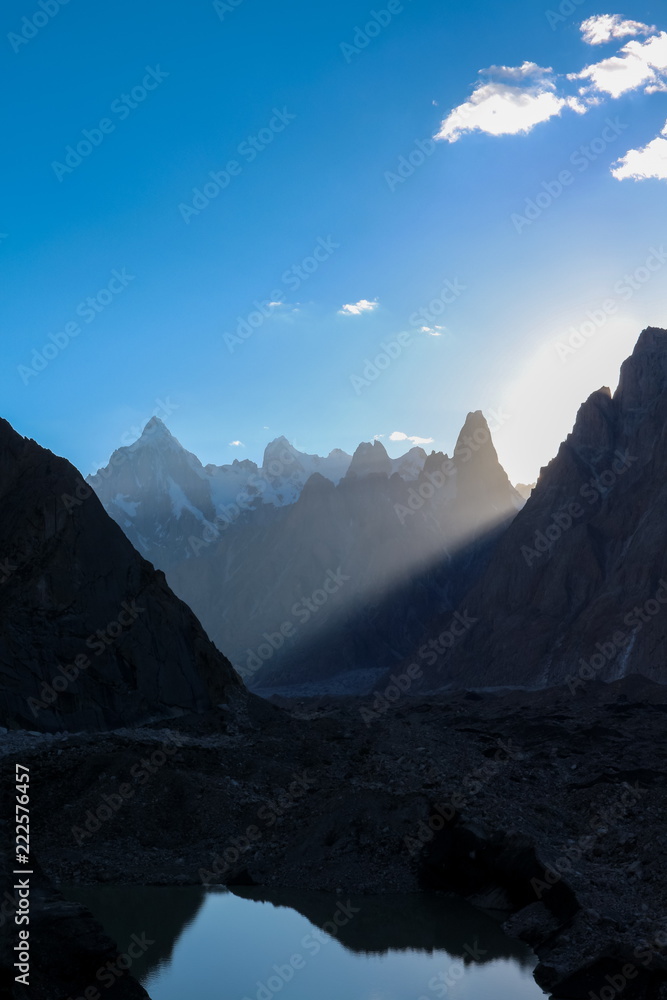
{"points": [[370, 459], [480, 476], [409, 466], [316, 487], [524, 489], [475, 439], [277, 450], [91, 636], [644, 374], [575, 589], [156, 429], [155, 435], [593, 426]]}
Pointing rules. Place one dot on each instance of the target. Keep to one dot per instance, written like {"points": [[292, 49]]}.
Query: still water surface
{"points": [[257, 944]]}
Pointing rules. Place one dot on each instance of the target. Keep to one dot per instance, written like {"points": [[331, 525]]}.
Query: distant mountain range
{"points": [[275, 559], [167, 502]]}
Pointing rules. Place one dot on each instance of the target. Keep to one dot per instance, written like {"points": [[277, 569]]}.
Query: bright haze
{"points": [[245, 201]]}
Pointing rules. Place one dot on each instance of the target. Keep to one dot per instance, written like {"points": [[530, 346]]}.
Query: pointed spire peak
{"points": [[653, 338], [370, 457], [475, 434], [156, 432], [474, 421], [155, 425]]}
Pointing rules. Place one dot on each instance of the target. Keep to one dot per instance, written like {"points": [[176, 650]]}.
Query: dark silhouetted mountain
{"points": [[576, 588], [370, 459], [91, 634]]}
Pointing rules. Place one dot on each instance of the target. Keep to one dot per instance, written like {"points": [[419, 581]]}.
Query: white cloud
{"points": [[237, 444], [603, 27], [357, 308], [433, 331], [376, 437], [514, 99], [500, 108], [640, 164], [523, 72], [639, 64], [400, 436]]}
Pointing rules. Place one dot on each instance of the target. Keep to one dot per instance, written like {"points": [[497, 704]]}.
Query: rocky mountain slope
{"points": [[305, 592], [576, 588], [90, 634]]}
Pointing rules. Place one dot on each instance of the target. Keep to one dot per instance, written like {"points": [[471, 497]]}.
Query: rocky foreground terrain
{"points": [[548, 808]]}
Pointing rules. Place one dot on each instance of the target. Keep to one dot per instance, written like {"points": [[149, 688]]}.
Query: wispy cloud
{"points": [[237, 444], [641, 164], [604, 27], [499, 107], [357, 308], [400, 436]]}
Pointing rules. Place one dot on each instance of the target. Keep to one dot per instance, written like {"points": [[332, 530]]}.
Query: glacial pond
{"points": [[257, 944]]}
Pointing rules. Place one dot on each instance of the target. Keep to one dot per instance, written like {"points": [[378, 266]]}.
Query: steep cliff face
{"points": [[91, 636], [577, 586]]}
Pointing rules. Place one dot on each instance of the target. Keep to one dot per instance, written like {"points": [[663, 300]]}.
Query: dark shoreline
{"points": [[546, 808]]}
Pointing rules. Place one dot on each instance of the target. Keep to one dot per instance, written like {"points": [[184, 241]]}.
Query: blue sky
{"points": [[331, 117]]}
